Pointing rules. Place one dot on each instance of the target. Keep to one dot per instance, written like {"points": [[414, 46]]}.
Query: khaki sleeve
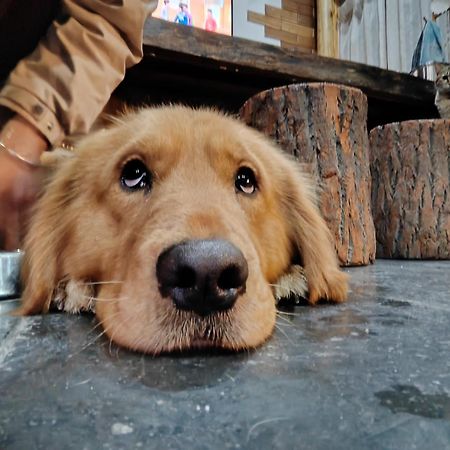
{"points": [[63, 85]]}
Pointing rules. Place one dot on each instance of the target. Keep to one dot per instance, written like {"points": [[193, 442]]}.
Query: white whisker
{"points": [[287, 313], [125, 321], [95, 339], [104, 299], [263, 422], [287, 321], [94, 283], [277, 326], [88, 344]]}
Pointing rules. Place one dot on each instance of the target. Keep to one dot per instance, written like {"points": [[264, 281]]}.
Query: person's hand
{"points": [[19, 182]]}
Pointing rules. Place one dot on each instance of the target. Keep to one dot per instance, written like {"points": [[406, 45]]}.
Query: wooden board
{"points": [[327, 28], [197, 67]]}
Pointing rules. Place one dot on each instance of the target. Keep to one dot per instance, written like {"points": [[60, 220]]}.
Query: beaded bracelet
{"points": [[16, 155]]}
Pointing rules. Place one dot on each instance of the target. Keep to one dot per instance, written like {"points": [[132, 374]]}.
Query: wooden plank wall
{"points": [[293, 24], [384, 33]]}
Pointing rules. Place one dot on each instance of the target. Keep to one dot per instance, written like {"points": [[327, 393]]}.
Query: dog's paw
{"points": [[291, 284], [74, 296], [331, 286]]}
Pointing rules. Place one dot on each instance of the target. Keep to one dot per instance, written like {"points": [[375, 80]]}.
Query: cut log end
{"points": [[324, 127], [410, 189]]}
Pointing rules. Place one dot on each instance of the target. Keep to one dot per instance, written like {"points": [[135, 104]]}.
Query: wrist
{"points": [[23, 138]]}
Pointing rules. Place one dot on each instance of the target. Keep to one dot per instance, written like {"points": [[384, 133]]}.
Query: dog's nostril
{"points": [[185, 277], [231, 278]]}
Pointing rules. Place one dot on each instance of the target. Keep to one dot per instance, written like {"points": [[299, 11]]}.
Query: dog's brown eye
{"points": [[135, 176], [246, 181]]}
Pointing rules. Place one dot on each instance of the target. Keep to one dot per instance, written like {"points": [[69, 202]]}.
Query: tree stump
{"points": [[410, 189], [324, 127]]}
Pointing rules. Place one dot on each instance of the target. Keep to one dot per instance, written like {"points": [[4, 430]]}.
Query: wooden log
{"points": [[324, 127], [410, 189]]}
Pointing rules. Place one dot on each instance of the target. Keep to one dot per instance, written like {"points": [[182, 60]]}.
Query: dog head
{"points": [[174, 225]]}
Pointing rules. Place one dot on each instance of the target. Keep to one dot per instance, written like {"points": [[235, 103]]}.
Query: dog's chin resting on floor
{"points": [[179, 228]]}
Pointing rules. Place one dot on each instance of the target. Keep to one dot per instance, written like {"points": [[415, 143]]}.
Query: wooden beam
{"points": [[237, 55], [327, 28], [196, 67]]}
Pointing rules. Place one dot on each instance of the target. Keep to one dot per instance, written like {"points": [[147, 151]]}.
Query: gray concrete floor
{"points": [[373, 373]]}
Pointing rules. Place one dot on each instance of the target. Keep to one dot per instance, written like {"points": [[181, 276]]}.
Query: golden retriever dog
{"points": [[175, 226]]}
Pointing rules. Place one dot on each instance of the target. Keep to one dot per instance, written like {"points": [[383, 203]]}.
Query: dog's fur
{"points": [[93, 244]]}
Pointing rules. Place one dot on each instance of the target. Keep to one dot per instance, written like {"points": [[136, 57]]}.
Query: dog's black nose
{"points": [[203, 276]]}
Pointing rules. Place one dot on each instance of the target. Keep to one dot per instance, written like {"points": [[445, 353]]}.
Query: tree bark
{"points": [[410, 189], [324, 127]]}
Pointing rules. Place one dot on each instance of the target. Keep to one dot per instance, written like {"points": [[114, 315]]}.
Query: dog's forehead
{"points": [[188, 124], [183, 131], [171, 137]]}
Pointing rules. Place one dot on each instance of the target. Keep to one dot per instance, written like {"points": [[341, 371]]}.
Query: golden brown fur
{"points": [[93, 243]]}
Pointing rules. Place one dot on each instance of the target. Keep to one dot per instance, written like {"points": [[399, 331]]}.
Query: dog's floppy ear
{"points": [[41, 266], [311, 238]]}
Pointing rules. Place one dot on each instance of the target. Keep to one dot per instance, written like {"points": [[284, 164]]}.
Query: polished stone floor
{"points": [[373, 373]]}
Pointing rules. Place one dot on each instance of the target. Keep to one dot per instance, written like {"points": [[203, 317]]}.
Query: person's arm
{"points": [[19, 184], [60, 89], [63, 85]]}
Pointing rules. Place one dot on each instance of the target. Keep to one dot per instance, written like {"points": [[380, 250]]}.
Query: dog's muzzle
{"points": [[203, 276]]}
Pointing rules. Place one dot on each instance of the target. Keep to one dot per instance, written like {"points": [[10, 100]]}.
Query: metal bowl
{"points": [[10, 274]]}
